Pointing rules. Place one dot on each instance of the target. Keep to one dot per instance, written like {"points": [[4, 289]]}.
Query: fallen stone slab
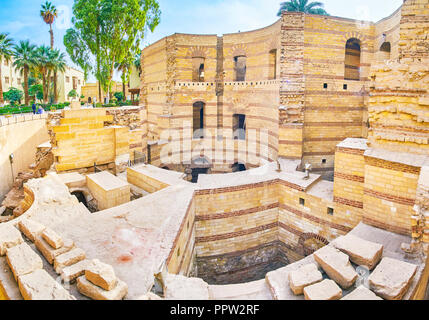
{"points": [[93, 291], [325, 290], [101, 274], [50, 253], [304, 277], [9, 237], [149, 296], [52, 238], [178, 287], [31, 228], [392, 278], [361, 294], [360, 251], [67, 259], [23, 260], [39, 285], [71, 273], [337, 266]]}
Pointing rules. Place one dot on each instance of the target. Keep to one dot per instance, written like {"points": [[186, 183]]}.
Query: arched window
{"points": [[238, 167], [240, 68], [198, 64], [198, 119], [385, 50], [272, 73], [352, 60]]}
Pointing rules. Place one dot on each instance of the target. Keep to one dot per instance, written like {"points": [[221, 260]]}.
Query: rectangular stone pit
{"points": [[108, 190]]}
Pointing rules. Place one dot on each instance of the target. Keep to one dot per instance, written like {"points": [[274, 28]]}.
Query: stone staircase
{"points": [[43, 265]]}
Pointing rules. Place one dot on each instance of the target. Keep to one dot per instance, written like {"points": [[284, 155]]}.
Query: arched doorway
{"points": [[199, 166], [238, 167], [352, 60], [385, 50]]}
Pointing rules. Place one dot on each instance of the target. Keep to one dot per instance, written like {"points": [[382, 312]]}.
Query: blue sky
{"points": [[20, 18]]}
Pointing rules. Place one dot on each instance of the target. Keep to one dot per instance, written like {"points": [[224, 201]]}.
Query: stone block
{"points": [[361, 252], [23, 260], [31, 228], [149, 296], [50, 253], [101, 274], [361, 294], [67, 259], [71, 273], [392, 278], [325, 290], [337, 265], [304, 277], [39, 285], [52, 238], [182, 288], [9, 237], [93, 291]]}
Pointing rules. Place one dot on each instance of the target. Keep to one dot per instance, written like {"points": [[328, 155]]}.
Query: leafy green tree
{"points": [[5, 53], [24, 54], [48, 14], [138, 62], [302, 6], [125, 67], [110, 30], [78, 51], [119, 96], [36, 90], [72, 94], [14, 95]]}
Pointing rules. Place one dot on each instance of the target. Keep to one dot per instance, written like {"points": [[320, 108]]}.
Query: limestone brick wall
{"points": [[182, 258], [145, 182], [334, 107], [389, 194], [399, 91], [83, 138]]}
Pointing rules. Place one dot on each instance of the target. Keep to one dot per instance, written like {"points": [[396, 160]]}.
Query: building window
{"points": [[198, 65], [74, 83], [325, 86], [240, 68], [273, 65], [352, 60], [68, 79], [301, 201], [198, 120], [78, 81], [239, 126], [385, 50], [6, 80], [331, 211]]}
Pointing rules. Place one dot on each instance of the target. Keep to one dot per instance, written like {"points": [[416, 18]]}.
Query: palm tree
{"points": [[302, 6], [48, 14], [57, 64], [23, 60], [42, 66], [5, 53]]}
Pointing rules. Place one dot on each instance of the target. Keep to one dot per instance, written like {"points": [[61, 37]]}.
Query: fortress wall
{"points": [[390, 26], [399, 95], [336, 112], [182, 257], [256, 46], [21, 139], [390, 194]]}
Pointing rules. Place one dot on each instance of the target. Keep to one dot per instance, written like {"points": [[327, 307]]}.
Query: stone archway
{"points": [[310, 242]]}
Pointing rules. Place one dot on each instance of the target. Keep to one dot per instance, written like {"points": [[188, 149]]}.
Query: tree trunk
{"points": [[55, 88], [45, 89], [98, 61], [52, 36], [1, 85], [123, 90], [27, 97]]}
